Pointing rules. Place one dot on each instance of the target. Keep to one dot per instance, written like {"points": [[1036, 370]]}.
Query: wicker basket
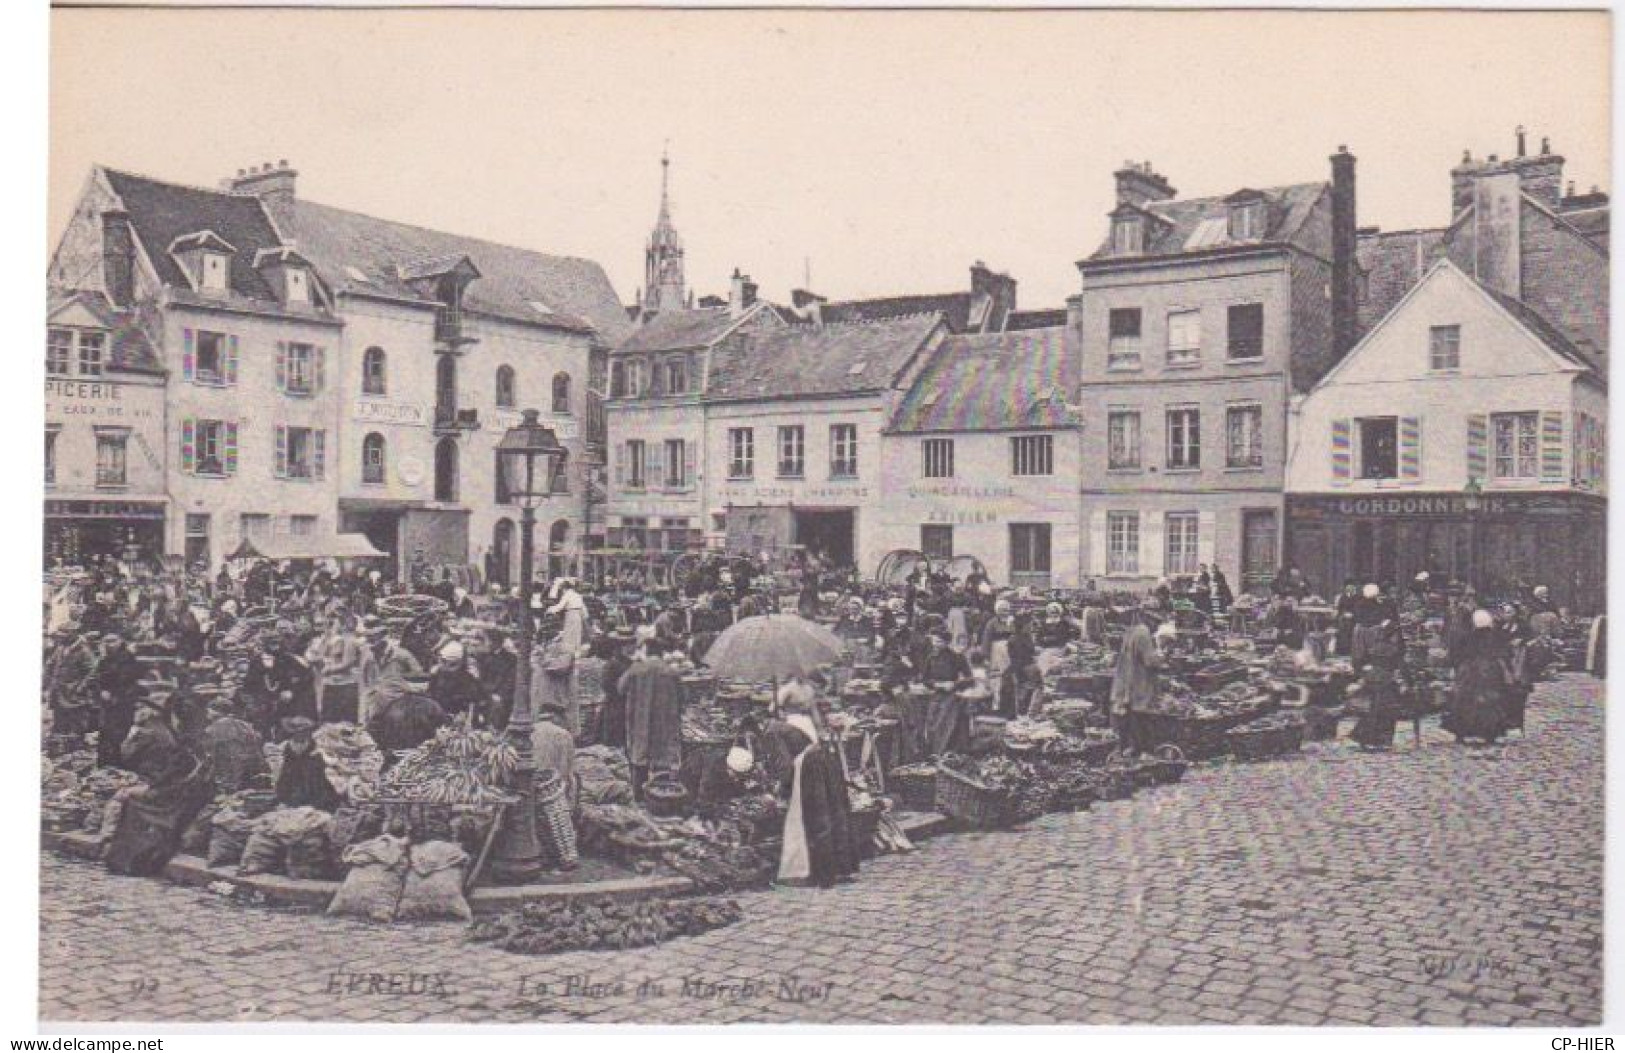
{"points": [[913, 791], [972, 804], [665, 797], [1168, 765]]}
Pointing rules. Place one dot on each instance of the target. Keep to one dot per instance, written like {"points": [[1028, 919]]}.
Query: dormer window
{"points": [[298, 285], [288, 274], [213, 278], [1128, 235], [1246, 217]]}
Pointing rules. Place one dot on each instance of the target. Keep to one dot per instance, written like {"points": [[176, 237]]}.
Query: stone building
{"points": [[332, 372], [983, 455], [104, 433], [1199, 319], [1466, 433]]}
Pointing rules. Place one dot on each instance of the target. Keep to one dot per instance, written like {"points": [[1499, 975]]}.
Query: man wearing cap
{"points": [[1134, 684], [554, 749], [70, 672], [302, 781], [403, 715], [118, 689], [654, 698]]}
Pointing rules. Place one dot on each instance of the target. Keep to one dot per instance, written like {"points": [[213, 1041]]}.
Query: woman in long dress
{"points": [[818, 848], [1380, 684], [553, 668], [177, 786], [1478, 706]]}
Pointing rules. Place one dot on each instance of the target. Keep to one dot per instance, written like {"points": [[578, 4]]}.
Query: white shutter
{"points": [[1097, 543], [1207, 525], [1153, 551]]}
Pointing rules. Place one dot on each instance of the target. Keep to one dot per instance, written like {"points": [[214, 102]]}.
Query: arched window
{"points": [[374, 372], [445, 470], [507, 393], [558, 536], [372, 459], [617, 380], [502, 553], [561, 393]]}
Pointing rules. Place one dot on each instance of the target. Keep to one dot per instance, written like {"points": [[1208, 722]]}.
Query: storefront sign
{"points": [[410, 414], [961, 516], [949, 490], [765, 494], [98, 399], [1423, 506], [104, 510]]}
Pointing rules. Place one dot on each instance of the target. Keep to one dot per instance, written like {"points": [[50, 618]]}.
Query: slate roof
{"points": [[1545, 331], [572, 293], [955, 309], [1393, 262], [162, 212], [995, 382], [1592, 221], [1288, 208], [680, 330], [846, 358], [129, 348]]}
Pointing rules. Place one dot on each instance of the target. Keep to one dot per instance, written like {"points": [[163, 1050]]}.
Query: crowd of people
{"points": [[135, 655]]}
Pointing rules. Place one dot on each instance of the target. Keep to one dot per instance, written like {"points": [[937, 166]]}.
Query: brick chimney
{"points": [[272, 184], [118, 257], [741, 293], [1539, 175], [1140, 184], [998, 288], [808, 304], [1345, 266]]}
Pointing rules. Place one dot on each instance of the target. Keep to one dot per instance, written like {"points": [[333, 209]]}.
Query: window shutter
{"points": [[282, 365], [1551, 446], [1153, 545], [281, 451], [1478, 446], [1097, 543], [189, 445], [230, 368], [229, 455], [318, 453], [319, 365], [1207, 526], [188, 353], [620, 463], [688, 464], [1342, 452], [1410, 448]]}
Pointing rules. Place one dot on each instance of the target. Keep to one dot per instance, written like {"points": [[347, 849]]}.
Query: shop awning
{"points": [[332, 546]]}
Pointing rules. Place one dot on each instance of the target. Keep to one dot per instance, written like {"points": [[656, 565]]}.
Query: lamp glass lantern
{"points": [[530, 456]]}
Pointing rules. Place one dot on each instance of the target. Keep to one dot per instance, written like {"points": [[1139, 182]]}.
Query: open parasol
{"points": [[772, 647]]}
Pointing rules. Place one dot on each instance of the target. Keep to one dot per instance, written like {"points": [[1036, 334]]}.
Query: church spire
{"points": [[663, 259]]}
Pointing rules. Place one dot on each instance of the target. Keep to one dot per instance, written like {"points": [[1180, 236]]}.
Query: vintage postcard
{"points": [[825, 517]]}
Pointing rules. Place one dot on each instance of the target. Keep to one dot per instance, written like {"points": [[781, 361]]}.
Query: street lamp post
{"points": [[529, 457], [1472, 502]]}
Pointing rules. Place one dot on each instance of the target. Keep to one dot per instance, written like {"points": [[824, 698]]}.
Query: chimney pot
{"points": [[1493, 158], [282, 163], [1466, 157], [1545, 144], [1570, 192], [1520, 134]]}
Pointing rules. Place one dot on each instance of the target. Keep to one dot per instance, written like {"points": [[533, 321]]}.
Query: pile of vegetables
{"points": [[602, 924], [460, 765], [706, 722], [353, 759]]}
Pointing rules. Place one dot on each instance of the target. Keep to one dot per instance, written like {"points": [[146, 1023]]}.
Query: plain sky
{"points": [[889, 149]]}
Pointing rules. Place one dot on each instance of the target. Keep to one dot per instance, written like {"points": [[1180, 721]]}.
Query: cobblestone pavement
{"points": [[1438, 886]]}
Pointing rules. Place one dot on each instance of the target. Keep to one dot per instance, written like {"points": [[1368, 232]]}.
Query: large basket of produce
{"points": [[974, 803], [1275, 735], [1069, 715], [460, 765], [665, 796], [1067, 786], [1167, 765], [1090, 746], [1320, 724], [914, 787]]}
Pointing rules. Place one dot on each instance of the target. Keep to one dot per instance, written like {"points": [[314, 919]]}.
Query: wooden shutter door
{"points": [[318, 454], [1551, 446], [688, 463], [620, 463], [1478, 446], [282, 365], [230, 367], [281, 451], [229, 456], [319, 366], [1342, 452], [188, 353], [1410, 448]]}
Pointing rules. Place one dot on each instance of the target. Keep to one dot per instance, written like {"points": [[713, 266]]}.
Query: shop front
{"points": [[1498, 542], [78, 531]]}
